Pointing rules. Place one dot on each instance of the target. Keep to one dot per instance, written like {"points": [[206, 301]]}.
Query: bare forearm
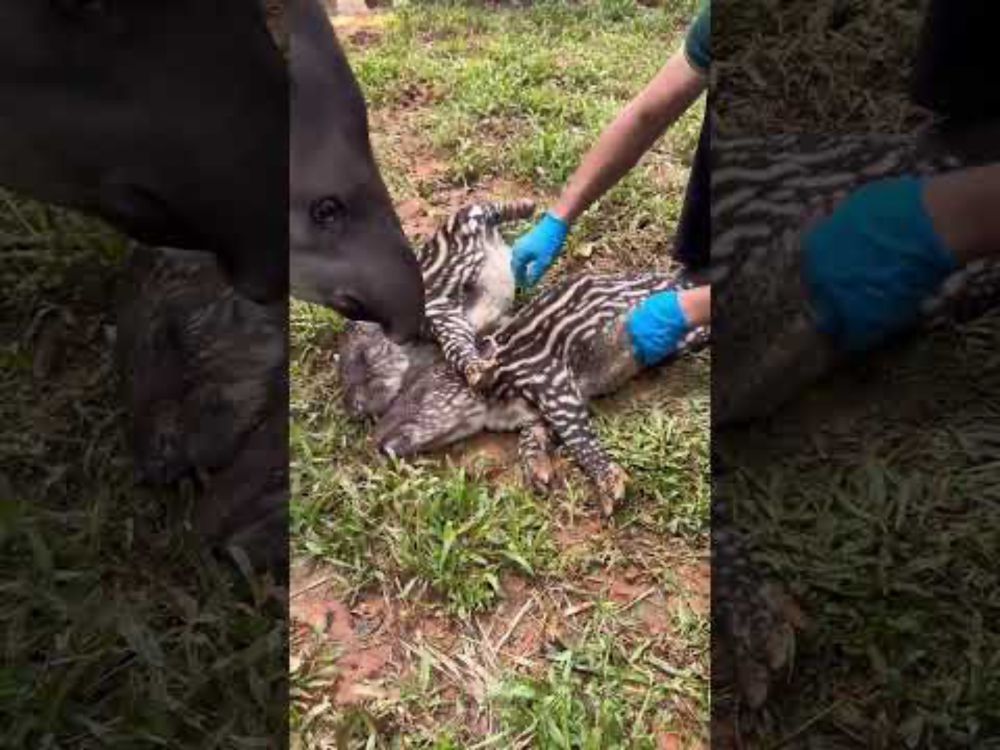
{"points": [[964, 207], [697, 305], [631, 135]]}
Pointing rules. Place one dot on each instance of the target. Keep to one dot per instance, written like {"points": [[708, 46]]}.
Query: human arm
{"points": [[622, 143], [619, 147]]}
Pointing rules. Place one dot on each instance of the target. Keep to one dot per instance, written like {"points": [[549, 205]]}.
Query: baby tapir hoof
{"points": [[611, 486], [763, 632], [480, 373], [539, 473]]}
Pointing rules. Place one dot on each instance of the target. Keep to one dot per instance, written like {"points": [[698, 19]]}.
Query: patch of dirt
{"points": [[491, 455], [650, 602], [322, 620], [414, 96], [573, 538], [347, 8], [434, 629], [360, 29], [366, 36], [417, 220], [431, 192], [517, 627]]}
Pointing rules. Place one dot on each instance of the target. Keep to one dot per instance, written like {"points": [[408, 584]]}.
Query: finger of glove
{"points": [[537, 270], [520, 265]]}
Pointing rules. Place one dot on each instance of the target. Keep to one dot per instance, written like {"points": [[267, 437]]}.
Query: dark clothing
{"points": [[956, 69], [692, 244]]}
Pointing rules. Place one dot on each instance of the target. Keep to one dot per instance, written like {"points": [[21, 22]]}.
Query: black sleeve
{"points": [[956, 67]]}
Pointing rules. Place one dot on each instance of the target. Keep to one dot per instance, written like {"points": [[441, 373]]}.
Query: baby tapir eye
{"points": [[327, 212]]}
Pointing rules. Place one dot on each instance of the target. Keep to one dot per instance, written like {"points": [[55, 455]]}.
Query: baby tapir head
{"points": [[201, 364], [436, 409], [373, 369]]}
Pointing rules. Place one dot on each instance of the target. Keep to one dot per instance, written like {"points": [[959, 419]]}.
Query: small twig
{"points": [[513, 625], [578, 609], [643, 596], [311, 586]]}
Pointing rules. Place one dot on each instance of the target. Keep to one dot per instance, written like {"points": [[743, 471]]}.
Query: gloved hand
{"points": [[870, 264], [538, 249], [656, 327]]}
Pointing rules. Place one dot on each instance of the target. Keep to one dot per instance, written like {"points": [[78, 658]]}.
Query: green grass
{"points": [[521, 95], [885, 525], [463, 534], [588, 696], [873, 496], [666, 453], [505, 102], [115, 631]]}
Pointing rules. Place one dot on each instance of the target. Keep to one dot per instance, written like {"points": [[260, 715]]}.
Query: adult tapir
{"points": [[171, 120], [166, 118], [348, 250]]}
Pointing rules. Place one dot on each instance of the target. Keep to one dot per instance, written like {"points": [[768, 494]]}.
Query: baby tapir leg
{"points": [[558, 398], [534, 449], [453, 332], [755, 623]]}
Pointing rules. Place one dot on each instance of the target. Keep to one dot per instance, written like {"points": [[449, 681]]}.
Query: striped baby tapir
{"points": [[765, 193], [561, 349], [469, 283], [469, 286], [204, 377]]}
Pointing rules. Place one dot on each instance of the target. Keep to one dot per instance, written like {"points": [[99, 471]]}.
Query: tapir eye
{"points": [[327, 212]]}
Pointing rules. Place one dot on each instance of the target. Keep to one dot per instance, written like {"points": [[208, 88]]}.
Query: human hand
{"points": [[537, 249], [656, 326], [872, 262]]}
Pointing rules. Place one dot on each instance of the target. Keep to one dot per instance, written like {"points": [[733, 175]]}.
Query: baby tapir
{"points": [[765, 193], [469, 283], [373, 369], [469, 286], [201, 364], [205, 377], [563, 348]]}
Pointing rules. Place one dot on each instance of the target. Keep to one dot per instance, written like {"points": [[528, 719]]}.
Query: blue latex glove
{"points": [[656, 327], [538, 249], [870, 264]]}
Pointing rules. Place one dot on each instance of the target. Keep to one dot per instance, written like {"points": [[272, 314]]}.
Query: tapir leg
{"points": [[454, 334], [562, 406], [534, 447]]}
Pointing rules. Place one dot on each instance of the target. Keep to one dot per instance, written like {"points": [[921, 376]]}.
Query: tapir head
{"points": [[348, 250], [167, 118], [373, 369]]}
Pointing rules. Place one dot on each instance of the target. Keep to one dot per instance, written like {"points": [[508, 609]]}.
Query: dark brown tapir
{"points": [[165, 118], [348, 250], [171, 120]]}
